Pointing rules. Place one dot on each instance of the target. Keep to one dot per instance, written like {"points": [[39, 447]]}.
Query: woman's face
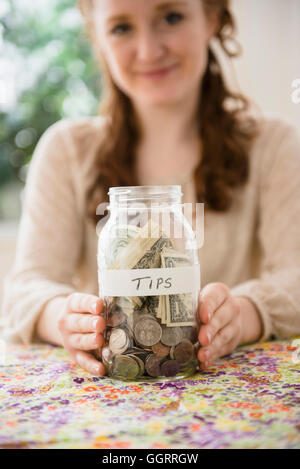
{"points": [[150, 35]]}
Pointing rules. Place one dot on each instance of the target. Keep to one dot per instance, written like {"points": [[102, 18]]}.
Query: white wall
{"points": [[269, 32]]}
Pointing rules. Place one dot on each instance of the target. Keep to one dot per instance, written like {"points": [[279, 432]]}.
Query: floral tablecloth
{"points": [[249, 399]]}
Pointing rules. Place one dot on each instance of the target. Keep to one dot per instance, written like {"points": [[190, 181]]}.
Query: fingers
{"points": [[83, 303], [89, 363], [223, 343], [222, 316], [86, 341], [211, 297], [76, 322]]}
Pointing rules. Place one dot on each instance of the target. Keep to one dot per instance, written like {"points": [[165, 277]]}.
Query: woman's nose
{"points": [[150, 46]]}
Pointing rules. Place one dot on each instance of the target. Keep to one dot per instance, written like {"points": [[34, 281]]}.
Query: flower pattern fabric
{"points": [[249, 399]]}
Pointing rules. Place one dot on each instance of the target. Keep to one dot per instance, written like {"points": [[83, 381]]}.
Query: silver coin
{"points": [[125, 367], [172, 352], [141, 315], [118, 341], [107, 356], [189, 332], [147, 332], [171, 335], [139, 362]]}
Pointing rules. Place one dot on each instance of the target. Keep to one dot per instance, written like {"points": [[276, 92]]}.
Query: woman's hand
{"points": [[221, 330], [81, 327]]}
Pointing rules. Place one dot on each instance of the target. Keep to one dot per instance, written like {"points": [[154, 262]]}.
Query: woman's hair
{"points": [[226, 132]]}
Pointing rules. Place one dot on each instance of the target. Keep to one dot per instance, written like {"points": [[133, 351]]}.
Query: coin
{"points": [[161, 350], [184, 352], [172, 352], [147, 332], [152, 366], [196, 347], [140, 364], [115, 317], [118, 341], [134, 351], [142, 314], [170, 368], [146, 348], [190, 333], [171, 335], [107, 356], [125, 367], [190, 368]]}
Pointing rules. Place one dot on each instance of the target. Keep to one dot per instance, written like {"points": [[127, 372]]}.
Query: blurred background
{"points": [[47, 72]]}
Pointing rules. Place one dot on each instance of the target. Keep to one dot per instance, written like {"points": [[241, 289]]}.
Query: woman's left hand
{"points": [[221, 328]]}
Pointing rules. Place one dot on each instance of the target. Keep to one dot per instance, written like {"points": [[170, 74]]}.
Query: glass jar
{"points": [[149, 279]]}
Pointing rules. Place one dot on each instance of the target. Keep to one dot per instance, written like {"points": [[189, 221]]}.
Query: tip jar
{"points": [[149, 279]]}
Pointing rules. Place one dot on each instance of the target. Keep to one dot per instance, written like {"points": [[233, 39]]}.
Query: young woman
{"points": [[166, 117]]}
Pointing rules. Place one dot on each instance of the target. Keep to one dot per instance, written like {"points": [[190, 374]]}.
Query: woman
{"points": [[177, 126]]}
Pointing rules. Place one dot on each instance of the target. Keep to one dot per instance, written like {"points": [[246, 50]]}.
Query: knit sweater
{"points": [[254, 248]]}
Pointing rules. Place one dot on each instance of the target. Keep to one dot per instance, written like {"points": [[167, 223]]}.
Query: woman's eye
{"points": [[172, 18], [119, 28], [178, 17]]}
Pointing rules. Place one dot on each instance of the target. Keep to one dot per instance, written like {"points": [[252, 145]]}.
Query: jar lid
{"points": [[126, 193]]}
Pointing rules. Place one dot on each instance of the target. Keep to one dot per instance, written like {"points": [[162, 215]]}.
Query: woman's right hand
{"points": [[81, 326]]}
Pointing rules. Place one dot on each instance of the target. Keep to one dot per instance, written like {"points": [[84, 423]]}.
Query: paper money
{"points": [[142, 252], [177, 310], [121, 236]]}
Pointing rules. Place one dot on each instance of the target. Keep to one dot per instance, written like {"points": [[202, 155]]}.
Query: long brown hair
{"points": [[226, 133]]}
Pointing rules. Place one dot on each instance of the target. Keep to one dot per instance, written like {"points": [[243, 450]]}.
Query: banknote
{"points": [[143, 251], [177, 310], [121, 235]]}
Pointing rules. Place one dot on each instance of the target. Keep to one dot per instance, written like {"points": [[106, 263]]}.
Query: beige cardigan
{"points": [[254, 248]]}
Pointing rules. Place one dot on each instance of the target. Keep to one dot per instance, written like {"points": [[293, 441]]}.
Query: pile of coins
{"points": [[140, 345]]}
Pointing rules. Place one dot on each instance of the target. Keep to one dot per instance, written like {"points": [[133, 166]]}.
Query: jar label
{"points": [[149, 282]]}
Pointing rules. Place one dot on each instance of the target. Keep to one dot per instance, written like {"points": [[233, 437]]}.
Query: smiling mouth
{"points": [[158, 73]]}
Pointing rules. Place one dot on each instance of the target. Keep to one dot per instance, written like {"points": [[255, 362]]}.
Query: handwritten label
{"points": [[148, 282]]}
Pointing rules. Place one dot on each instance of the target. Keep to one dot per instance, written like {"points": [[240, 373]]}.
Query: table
{"points": [[249, 399]]}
